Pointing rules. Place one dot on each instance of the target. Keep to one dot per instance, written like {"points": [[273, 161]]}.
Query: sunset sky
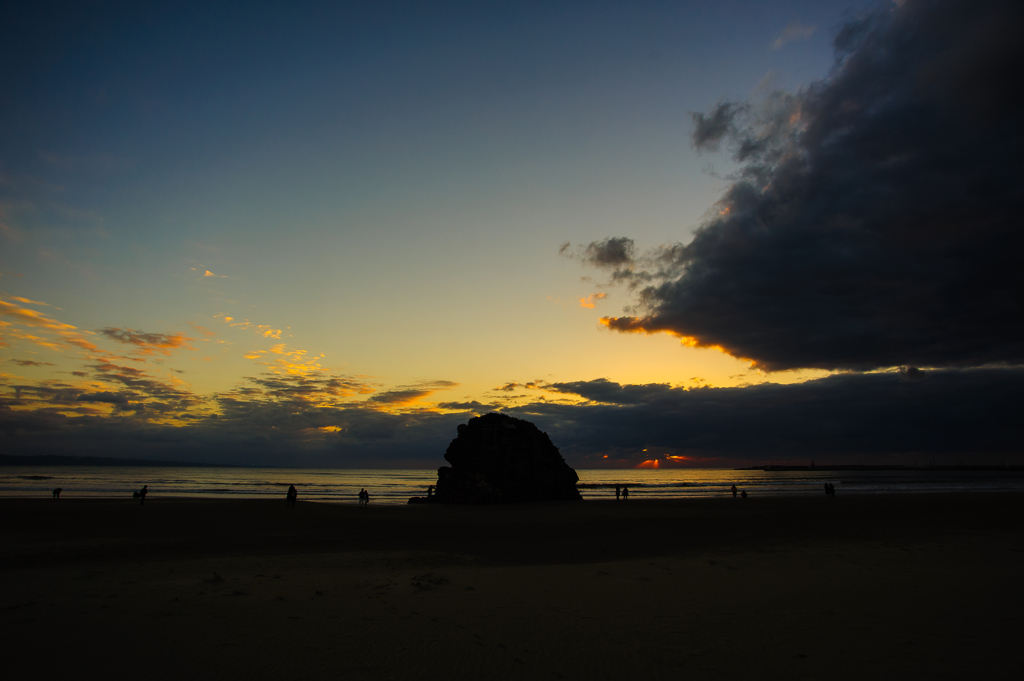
{"points": [[325, 235]]}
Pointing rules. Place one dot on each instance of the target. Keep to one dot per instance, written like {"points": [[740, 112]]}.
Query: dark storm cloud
{"points": [[603, 390], [710, 129], [125, 402], [253, 431], [61, 395], [512, 386], [471, 406], [902, 416], [913, 413], [876, 219], [139, 380], [108, 397], [615, 251]]}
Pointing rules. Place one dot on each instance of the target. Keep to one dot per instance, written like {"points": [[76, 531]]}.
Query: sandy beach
{"points": [[809, 587]]}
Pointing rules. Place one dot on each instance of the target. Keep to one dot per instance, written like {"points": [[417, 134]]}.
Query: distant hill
{"points": [[882, 467], [48, 460]]}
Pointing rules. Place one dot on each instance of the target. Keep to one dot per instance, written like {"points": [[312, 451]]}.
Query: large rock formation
{"points": [[501, 459]]}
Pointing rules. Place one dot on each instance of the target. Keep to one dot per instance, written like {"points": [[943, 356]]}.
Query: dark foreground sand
{"points": [[850, 588]]}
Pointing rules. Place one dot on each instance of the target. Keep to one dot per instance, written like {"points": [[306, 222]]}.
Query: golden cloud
{"points": [[26, 301], [29, 317], [67, 335], [590, 301]]}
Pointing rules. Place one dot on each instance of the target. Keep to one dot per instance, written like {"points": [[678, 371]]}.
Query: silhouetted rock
{"points": [[501, 459]]}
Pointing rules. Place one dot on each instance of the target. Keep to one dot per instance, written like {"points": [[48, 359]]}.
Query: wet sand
{"points": [[810, 587]]}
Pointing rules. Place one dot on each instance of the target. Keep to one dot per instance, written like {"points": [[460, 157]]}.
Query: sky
{"points": [[325, 234]]}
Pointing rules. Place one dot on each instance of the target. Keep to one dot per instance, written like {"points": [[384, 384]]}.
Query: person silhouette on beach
{"points": [[56, 492], [734, 491], [430, 491], [625, 492], [292, 495], [618, 492], [142, 494], [743, 494], [828, 492], [364, 498]]}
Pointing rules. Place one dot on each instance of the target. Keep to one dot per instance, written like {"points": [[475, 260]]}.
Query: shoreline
{"points": [[43, 531], [387, 487], [846, 588]]}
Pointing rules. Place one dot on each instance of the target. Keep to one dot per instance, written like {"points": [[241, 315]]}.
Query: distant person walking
{"points": [[293, 494], [618, 492], [625, 492], [734, 491], [364, 498], [56, 493], [142, 494]]}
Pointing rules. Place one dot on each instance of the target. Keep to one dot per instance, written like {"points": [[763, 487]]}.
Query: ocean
{"points": [[396, 486]]}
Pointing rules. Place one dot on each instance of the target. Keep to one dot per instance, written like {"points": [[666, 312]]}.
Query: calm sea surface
{"points": [[396, 486]]}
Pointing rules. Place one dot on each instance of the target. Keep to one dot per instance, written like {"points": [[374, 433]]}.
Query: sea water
{"points": [[396, 486]]}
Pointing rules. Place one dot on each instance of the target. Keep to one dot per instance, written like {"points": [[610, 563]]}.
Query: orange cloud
{"points": [[112, 390], [28, 302], [208, 273], [295, 361], [407, 395], [590, 301], [639, 325], [148, 343], [31, 317], [269, 331], [231, 321], [36, 340], [289, 361], [68, 335]]}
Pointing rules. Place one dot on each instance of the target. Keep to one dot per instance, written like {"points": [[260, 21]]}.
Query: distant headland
{"points": [[52, 460], [878, 467]]}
